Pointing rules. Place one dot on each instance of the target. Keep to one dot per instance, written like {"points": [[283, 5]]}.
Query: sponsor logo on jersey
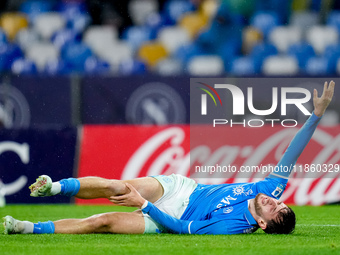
{"points": [[238, 190], [277, 192], [228, 209]]}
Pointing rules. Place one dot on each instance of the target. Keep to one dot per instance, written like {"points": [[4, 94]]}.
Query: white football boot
{"points": [[42, 187], [13, 226]]}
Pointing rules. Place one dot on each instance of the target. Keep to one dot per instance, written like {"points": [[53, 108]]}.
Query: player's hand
{"points": [[321, 103], [131, 199]]}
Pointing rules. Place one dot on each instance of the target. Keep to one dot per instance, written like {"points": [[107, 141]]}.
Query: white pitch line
{"points": [[315, 225]]}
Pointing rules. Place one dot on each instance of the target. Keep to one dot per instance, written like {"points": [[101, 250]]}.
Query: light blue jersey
{"points": [[223, 209]]}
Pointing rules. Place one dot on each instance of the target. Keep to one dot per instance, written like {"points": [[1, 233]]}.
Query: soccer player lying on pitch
{"points": [[177, 204]]}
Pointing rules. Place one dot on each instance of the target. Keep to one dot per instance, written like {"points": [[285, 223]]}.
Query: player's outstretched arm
{"points": [[321, 103], [303, 136]]}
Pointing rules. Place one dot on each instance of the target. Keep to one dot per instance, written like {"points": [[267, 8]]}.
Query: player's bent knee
{"points": [[100, 222], [115, 187]]}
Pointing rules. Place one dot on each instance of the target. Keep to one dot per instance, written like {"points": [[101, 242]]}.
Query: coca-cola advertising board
{"points": [[127, 152]]}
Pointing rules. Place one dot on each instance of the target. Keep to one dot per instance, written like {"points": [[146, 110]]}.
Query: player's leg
{"points": [[115, 222], [96, 187]]}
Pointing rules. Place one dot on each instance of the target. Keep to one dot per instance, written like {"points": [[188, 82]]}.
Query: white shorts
{"points": [[177, 190]]}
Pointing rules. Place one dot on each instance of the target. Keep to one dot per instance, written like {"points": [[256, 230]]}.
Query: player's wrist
{"points": [[319, 113], [145, 204]]}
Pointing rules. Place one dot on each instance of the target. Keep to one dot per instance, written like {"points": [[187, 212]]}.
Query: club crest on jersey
{"points": [[278, 190]]}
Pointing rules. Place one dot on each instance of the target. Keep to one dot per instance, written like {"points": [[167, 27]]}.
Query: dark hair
{"points": [[283, 224]]}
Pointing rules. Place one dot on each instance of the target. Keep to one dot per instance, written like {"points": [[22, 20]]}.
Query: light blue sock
{"points": [[69, 187], [44, 228]]}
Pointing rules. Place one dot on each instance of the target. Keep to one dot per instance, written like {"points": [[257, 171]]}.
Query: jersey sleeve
{"points": [[275, 183], [177, 226], [295, 148]]}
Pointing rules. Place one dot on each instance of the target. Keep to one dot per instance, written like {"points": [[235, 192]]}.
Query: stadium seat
{"points": [[27, 37], [139, 10], [193, 23], [75, 55], [131, 67], [173, 37], [332, 52], [93, 65], [243, 66], [115, 53], [209, 8], [185, 52], [3, 37], [321, 36], [12, 23], [42, 52], [23, 66], [47, 24], [333, 20], [169, 67], [304, 19], [97, 37], [79, 22], [33, 8], [318, 66], [174, 10], [64, 36], [284, 36], [262, 51], [8, 54], [71, 9], [135, 36], [57, 67], [228, 51], [209, 65], [76, 15], [280, 65], [338, 67], [302, 52], [151, 53], [265, 21], [154, 22], [250, 37]]}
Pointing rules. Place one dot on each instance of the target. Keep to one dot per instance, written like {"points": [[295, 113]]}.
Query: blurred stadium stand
{"points": [[44, 42], [159, 34]]}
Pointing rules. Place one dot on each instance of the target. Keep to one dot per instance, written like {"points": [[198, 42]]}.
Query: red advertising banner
{"points": [[127, 152]]}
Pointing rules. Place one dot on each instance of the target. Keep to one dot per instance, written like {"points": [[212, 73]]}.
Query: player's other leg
{"points": [[115, 222], [96, 187]]}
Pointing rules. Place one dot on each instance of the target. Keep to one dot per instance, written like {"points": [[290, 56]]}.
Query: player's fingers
{"points": [[325, 86], [118, 198], [331, 86], [130, 187], [330, 90], [315, 94], [115, 202]]}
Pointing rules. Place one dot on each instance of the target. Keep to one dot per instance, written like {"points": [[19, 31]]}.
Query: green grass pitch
{"points": [[317, 232]]}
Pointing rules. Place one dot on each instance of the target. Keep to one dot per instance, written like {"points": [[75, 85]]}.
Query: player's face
{"points": [[268, 207]]}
